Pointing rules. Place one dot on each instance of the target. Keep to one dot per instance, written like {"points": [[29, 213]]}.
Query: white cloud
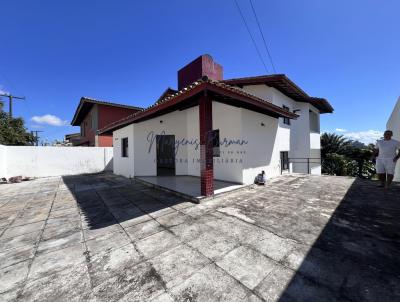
{"points": [[2, 91], [49, 119], [366, 137], [340, 130]]}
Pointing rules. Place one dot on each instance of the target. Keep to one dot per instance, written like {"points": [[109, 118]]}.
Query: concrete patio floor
{"points": [[106, 238]]}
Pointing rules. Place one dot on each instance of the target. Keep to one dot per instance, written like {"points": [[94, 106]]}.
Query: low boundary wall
{"points": [[53, 161]]}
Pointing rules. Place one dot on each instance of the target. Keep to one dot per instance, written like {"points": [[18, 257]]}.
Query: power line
{"points": [[262, 35], [36, 136], [251, 36], [12, 86], [10, 98]]}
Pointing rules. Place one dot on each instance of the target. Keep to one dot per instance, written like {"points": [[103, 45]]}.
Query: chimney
{"points": [[202, 66]]}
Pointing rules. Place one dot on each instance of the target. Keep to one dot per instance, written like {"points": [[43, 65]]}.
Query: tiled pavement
{"points": [[106, 238]]}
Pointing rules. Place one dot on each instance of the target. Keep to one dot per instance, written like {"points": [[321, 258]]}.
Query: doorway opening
{"points": [[284, 161], [165, 155]]}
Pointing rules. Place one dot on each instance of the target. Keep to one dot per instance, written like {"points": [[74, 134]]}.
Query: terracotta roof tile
{"points": [[169, 98]]}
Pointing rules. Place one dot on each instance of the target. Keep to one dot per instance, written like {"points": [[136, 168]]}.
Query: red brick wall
{"points": [[202, 66], [206, 150]]}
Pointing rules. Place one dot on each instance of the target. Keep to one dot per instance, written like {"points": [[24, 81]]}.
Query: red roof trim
{"points": [[192, 90]]}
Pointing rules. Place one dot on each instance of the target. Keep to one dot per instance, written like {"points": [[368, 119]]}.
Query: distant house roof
{"points": [[168, 92], [72, 135], [186, 98], [87, 103], [282, 83]]}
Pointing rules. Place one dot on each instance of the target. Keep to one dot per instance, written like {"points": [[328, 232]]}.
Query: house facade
{"points": [[92, 115], [394, 125], [220, 129]]}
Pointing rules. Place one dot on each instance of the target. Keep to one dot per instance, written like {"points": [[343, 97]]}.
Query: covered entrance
{"points": [[165, 155]]}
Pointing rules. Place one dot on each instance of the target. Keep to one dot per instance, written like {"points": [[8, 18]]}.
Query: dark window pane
{"points": [[286, 120], [124, 147], [215, 142]]}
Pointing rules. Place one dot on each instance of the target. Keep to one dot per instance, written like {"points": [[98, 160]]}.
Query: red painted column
{"points": [[206, 149]]}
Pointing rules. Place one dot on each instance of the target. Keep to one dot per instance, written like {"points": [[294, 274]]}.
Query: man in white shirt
{"points": [[387, 157]]}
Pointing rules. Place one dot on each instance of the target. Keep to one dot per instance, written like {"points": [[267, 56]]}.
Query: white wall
{"points": [[394, 125], [173, 123], [193, 133], [124, 165], [264, 145], [3, 165], [54, 161], [237, 163], [296, 138], [184, 125], [229, 121]]}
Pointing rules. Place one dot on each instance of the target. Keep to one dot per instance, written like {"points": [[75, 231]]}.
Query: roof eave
{"points": [[272, 110], [78, 110]]}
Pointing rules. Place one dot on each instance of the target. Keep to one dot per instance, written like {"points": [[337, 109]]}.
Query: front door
{"points": [[165, 155]]}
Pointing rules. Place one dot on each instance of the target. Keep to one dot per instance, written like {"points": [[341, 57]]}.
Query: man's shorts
{"points": [[385, 165]]}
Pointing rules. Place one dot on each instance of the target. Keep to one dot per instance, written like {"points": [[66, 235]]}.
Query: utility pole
{"points": [[10, 98], [36, 136]]}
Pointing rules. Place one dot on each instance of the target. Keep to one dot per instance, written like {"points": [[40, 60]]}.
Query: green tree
{"points": [[333, 143], [341, 156], [13, 131]]}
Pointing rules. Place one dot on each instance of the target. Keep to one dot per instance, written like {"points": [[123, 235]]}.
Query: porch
{"points": [[188, 186]]}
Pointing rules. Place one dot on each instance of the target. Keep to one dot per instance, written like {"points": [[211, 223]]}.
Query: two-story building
{"points": [[92, 115], [220, 129]]}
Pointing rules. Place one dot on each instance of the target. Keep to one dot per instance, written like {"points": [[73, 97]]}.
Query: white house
{"points": [[220, 129], [394, 125]]}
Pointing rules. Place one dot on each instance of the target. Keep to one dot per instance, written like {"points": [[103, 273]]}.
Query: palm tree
{"points": [[341, 156]]}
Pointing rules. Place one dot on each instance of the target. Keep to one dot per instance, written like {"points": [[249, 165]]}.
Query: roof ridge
{"points": [[107, 102]]}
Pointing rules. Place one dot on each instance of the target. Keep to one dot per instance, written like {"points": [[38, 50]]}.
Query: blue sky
{"points": [[54, 52]]}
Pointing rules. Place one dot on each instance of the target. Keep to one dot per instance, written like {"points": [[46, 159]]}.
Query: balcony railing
{"points": [[307, 161]]}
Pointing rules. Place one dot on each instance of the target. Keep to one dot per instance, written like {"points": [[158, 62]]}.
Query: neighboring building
{"points": [[72, 139], [221, 129], [92, 115], [394, 125]]}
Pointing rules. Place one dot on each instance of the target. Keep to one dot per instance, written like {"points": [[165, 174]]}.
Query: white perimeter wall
{"points": [[3, 165], [54, 161], [394, 125]]}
